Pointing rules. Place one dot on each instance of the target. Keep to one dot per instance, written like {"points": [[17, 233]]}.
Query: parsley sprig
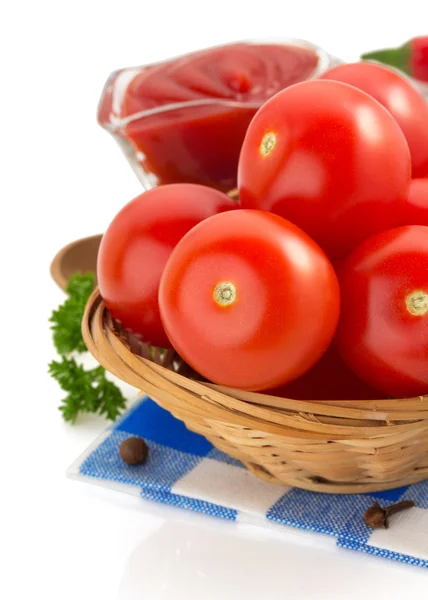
{"points": [[67, 319], [88, 390]]}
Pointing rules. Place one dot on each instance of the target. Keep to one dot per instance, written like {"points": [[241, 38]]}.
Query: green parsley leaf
{"points": [[89, 391], [67, 319]]}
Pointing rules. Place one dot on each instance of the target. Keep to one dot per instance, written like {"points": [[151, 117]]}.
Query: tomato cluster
{"points": [[314, 285]]}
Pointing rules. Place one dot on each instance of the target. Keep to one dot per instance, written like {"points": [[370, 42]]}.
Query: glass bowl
{"points": [[193, 141]]}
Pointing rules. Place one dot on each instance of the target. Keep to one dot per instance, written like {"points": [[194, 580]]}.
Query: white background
{"points": [[62, 177]]}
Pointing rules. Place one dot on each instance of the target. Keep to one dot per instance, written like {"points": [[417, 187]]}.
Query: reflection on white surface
{"points": [[231, 562]]}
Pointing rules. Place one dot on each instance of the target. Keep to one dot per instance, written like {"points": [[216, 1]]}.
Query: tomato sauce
{"points": [[185, 120]]}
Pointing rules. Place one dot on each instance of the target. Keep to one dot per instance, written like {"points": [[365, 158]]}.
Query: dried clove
{"points": [[377, 516]]}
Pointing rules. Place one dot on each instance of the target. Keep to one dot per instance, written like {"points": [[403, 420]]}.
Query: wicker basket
{"points": [[329, 446]]}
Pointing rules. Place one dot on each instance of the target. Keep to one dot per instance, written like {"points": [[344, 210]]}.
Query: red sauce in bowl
{"points": [[185, 120]]}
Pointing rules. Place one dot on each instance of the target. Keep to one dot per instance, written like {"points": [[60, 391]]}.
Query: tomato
{"points": [[399, 97], [329, 158], [136, 246], [329, 379], [417, 203], [383, 329], [249, 300]]}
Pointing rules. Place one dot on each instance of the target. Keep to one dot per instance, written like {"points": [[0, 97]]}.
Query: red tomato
{"points": [[329, 379], [383, 330], [249, 300], [329, 158], [399, 97], [417, 203], [136, 246]]}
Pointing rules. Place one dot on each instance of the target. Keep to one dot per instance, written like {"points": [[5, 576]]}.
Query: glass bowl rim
{"points": [[116, 123]]}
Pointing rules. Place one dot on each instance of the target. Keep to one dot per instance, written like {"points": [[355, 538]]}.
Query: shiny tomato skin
{"points": [[338, 165], [284, 308], [136, 246], [329, 379], [417, 203], [399, 97], [383, 329]]}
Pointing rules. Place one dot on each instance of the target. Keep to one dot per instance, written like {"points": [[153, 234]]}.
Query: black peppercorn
{"points": [[133, 451]]}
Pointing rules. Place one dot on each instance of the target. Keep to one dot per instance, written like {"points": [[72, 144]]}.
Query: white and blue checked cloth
{"points": [[183, 469]]}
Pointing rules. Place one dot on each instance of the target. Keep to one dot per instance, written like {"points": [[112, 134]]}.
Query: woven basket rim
{"points": [[384, 438], [382, 405]]}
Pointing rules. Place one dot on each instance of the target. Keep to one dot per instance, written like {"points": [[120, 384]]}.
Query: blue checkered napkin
{"points": [[185, 470]]}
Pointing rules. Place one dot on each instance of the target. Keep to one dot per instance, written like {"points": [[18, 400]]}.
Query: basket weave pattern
{"points": [[326, 446]]}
